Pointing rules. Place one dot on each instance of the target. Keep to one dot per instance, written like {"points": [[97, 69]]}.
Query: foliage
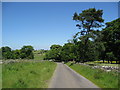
{"points": [[54, 53], [91, 43], [27, 74], [89, 20], [39, 56], [26, 52], [101, 45], [110, 56], [41, 51], [0, 75], [6, 52], [16, 54], [68, 52], [94, 44], [99, 77], [111, 39]]}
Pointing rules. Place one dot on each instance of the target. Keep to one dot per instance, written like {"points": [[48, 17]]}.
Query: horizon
{"points": [[42, 24]]}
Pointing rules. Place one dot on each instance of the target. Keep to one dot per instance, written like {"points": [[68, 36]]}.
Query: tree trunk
{"points": [[111, 61], [103, 60]]}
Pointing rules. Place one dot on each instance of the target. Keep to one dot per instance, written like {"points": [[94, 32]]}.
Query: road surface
{"points": [[65, 77]]}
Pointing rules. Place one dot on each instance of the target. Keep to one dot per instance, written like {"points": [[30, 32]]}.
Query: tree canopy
{"points": [[26, 52], [91, 43]]}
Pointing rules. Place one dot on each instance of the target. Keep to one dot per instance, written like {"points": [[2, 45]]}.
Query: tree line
{"points": [[92, 42], [26, 52]]}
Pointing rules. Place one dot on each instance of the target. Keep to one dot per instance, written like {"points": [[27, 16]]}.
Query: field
{"points": [[38, 56], [99, 77], [27, 74], [102, 64]]}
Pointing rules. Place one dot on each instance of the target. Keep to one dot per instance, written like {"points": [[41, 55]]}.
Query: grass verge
{"points": [[99, 77], [0, 76], [27, 74]]}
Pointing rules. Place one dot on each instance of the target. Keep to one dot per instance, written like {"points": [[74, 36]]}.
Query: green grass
{"points": [[104, 61], [39, 56], [27, 74], [102, 64], [0, 76], [99, 77]]}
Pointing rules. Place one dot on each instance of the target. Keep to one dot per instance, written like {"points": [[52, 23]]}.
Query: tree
{"points": [[54, 53], [0, 53], [27, 52], [55, 47], [99, 45], [111, 38], [16, 54], [6, 52], [86, 52], [68, 52], [89, 20], [110, 56]]}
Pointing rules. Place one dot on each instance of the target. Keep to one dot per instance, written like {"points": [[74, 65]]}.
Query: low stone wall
{"points": [[19, 60], [105, 68]]}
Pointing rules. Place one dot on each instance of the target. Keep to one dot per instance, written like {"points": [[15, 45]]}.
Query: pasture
{"points": [[27, 74]]}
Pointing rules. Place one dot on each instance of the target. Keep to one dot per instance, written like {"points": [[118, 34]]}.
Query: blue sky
{"points": [[42, 24]]}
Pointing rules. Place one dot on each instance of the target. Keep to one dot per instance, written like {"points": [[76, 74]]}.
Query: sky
{"points": [[42, 24]]}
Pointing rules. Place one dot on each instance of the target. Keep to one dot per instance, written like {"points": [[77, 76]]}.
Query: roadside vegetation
{"points": [[27, 74], [26, 52], [91, 43], [103, 64], [39, 54], [96, 43], [0, 76], [99, 77]]}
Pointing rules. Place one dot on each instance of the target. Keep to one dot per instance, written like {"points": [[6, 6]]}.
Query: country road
{"points": [[65, 77]]}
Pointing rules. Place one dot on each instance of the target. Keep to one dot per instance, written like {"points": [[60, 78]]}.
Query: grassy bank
{"points": [[27, 74], [99, 77], [0, 76]]}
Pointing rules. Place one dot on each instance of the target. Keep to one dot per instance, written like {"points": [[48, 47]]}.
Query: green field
{"points": [[39, 56], [102, 64], [27, 74], [99, 77]]}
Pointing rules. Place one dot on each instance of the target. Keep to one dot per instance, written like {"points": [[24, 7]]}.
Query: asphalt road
{"points": [[65, 77]]}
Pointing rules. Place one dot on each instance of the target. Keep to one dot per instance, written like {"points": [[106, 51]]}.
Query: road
{"points": [[65, 77]]}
